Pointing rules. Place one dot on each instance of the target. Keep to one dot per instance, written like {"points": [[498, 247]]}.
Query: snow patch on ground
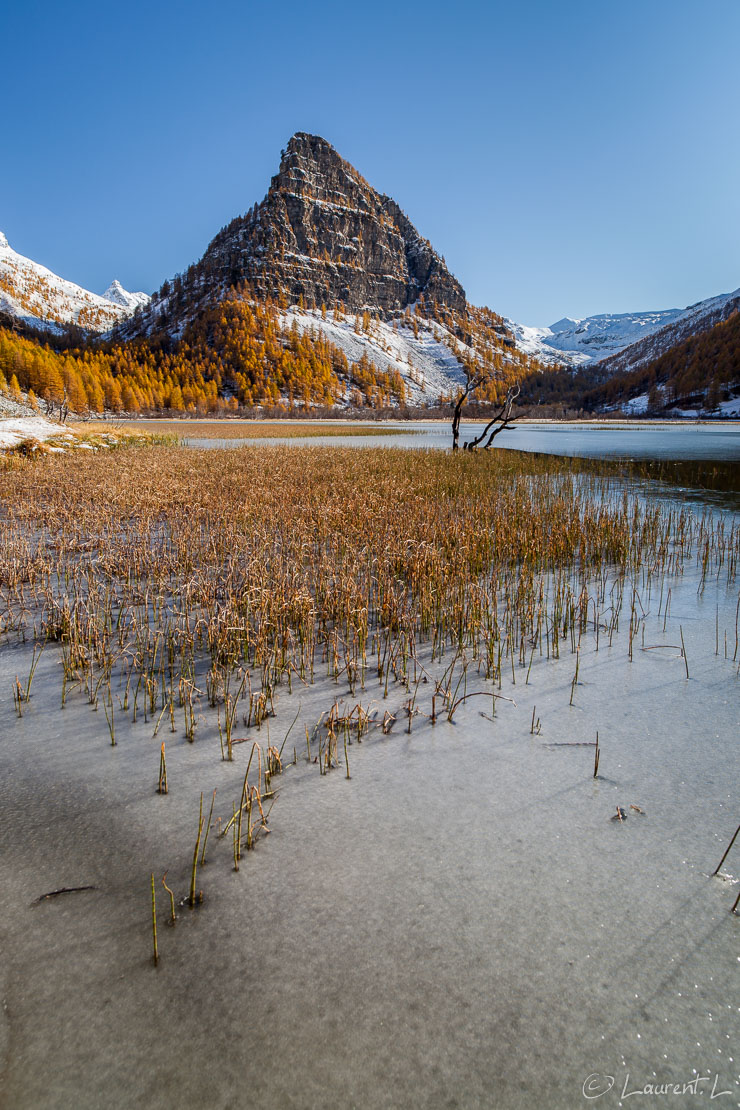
{"points": [[15, 431], [636, 405], [425, 361], [10, 407], [730, 408], [725, 410]]}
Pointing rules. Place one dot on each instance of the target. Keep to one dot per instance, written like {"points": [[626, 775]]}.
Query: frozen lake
{"points": [[460, 923], [634, 440]]}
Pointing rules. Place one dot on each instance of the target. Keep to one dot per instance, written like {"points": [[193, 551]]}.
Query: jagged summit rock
{"points": [[116, 294], [322, 235]]}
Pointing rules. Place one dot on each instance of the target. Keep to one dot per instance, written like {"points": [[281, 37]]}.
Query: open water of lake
{"points": [[719, 442]]}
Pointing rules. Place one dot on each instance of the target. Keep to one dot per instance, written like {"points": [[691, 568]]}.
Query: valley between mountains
{"points": [[324, 298]]}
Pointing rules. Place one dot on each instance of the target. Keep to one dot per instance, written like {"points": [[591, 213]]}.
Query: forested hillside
{"points": [[240, 353]]}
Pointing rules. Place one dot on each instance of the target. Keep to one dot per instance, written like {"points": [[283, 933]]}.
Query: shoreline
{"points": [[632, 422]]}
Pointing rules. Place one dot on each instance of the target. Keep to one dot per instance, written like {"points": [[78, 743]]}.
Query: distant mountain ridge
{"points": [[692, 321], [606, 338], [37, 296], [689, 367], [581, 342]]}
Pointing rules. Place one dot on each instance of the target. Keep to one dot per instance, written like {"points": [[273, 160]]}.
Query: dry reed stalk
{"points": [[683, 652], [154, 923], [727, 851], [109, 716], [208, 829], [173, 915], [162, 787], [191, 898]]}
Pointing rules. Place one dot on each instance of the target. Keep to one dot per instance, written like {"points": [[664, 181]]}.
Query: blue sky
{"points": [[565, 158]]}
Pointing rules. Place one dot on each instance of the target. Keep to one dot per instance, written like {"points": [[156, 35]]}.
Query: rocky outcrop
{"points": [[322, 235]]}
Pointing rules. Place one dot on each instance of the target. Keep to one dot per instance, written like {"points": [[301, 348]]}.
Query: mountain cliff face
{"points": [[322, 235]]}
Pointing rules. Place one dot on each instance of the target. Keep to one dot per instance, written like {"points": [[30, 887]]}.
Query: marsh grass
{"points": [[168, 570], [178, 430], [213, 583], [90, 435]]}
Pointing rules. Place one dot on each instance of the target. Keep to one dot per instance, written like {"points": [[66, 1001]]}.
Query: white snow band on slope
{"points": [[425, 361]]}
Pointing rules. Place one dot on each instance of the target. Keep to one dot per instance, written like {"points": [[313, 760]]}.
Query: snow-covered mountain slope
{"points": [[424, 357], [579, 342], [694, 320], [597, 338], [39, 297]]}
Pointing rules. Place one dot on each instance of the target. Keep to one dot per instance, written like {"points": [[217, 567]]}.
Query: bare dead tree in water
{"points": [[498, 423]]}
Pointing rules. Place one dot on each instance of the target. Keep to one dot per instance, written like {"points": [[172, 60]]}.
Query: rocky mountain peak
{"points": [[322, 235], [116, 293], [328, 236], [311, 148]]}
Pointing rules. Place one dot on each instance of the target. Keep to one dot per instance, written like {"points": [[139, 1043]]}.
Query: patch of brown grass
{"points": [[242, 429]]}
